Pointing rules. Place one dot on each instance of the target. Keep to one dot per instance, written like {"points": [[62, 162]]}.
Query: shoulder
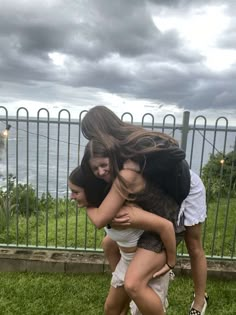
{"points": [[133, 180], [129, 175]]}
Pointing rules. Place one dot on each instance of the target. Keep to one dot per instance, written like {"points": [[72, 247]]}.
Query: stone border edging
{"points": [[51, 261]]}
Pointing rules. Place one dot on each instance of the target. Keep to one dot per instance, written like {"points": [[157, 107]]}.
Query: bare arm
{"points": [[114, 200], [144, 220]]}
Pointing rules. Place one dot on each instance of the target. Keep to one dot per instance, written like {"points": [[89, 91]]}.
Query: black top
{"points": [[169, 170]]}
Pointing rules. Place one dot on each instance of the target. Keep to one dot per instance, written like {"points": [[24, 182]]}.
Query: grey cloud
{"points": [[186, 3], [111, 45], [228, 42]]}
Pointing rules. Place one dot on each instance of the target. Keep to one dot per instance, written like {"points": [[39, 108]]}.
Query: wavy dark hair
{"points": [[95, 189]]}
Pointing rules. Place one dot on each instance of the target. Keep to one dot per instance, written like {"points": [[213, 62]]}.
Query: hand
{"points": [[121, 219], [162, 271], [127, 216]]}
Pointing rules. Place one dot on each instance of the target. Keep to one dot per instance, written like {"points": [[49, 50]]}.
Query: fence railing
{"points": [[38, 154]]}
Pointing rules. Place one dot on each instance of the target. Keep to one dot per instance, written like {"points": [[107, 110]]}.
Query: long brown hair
{"points": [[101, 122]]}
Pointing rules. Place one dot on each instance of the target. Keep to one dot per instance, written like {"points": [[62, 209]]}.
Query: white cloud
{"points": [[220, 59], [57, 58], [201, 28]]}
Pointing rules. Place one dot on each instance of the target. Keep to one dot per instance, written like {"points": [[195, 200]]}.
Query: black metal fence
{"points": [[38, 154]]}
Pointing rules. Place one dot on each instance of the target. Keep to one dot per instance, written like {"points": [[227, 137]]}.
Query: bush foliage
{"points": [[219, 176], [26, 218], [21, 199]]}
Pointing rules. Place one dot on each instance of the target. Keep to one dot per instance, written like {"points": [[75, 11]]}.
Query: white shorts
{"points": [[159, 285], [193, 208]]}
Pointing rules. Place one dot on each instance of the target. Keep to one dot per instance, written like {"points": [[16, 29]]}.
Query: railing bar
{"points": [[67, 192], [47, 183], [233, 244], [37, 181], [228, 199], [17, 179], [27, 183], [7, 210], [156, 125], [76, 225], [57, 179]]}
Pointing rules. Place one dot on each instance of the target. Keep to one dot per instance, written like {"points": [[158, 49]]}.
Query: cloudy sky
{"points": [[140, 56]]}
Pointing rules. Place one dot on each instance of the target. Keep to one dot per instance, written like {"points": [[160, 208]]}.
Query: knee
{"points": [[195, 249], [108, 308], [132, 287], [113, 308], [109, 246]]}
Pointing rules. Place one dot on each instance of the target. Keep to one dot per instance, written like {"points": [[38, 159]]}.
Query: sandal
{"points": [[193, 311]]}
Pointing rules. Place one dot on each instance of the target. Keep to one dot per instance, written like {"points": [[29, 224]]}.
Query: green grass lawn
{"points": [[48, 294]]}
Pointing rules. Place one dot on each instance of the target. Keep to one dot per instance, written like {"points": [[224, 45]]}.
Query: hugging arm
{"points": [[114, 200], [144, 220], [102, 215]]}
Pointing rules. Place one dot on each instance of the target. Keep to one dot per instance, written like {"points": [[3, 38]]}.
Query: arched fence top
{"points": [[169, 115], [222, 118], [129, 114], [152, 118], [43, 110], [64, 111], [81, 114], [198, 118], [20, 109], [4, 108], [6, 114]]}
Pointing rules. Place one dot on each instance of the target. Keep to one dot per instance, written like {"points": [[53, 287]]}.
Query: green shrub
{"points": [[43, 221], [219, 176], [21, 199]]}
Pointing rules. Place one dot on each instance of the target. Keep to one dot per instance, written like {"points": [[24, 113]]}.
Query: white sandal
{"points": [[193, 311]]}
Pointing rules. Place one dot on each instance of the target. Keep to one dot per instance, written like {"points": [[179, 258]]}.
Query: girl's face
{"points": [[78, 194], [101, 168]]}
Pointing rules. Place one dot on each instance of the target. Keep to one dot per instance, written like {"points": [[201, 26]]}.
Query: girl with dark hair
{"points": [[163, 163], [128, 240]]}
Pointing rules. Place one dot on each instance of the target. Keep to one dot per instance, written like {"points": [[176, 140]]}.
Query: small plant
{"points": [[219, 175], [6, 205], [21, 199], [17, 199]]}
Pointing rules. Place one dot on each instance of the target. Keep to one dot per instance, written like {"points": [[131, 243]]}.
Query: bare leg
{"points": [[111, 251], [139, 273], [198, 263], [112, 254], [117, 301]]}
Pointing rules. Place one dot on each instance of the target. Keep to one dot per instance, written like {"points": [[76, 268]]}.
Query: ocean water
{"points": [[44, 154]]}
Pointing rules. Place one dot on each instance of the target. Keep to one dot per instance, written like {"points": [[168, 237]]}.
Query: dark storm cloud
{"points": [[109, 45]]}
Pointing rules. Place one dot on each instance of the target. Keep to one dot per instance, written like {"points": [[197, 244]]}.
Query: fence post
{"points": [[185, 130]]}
